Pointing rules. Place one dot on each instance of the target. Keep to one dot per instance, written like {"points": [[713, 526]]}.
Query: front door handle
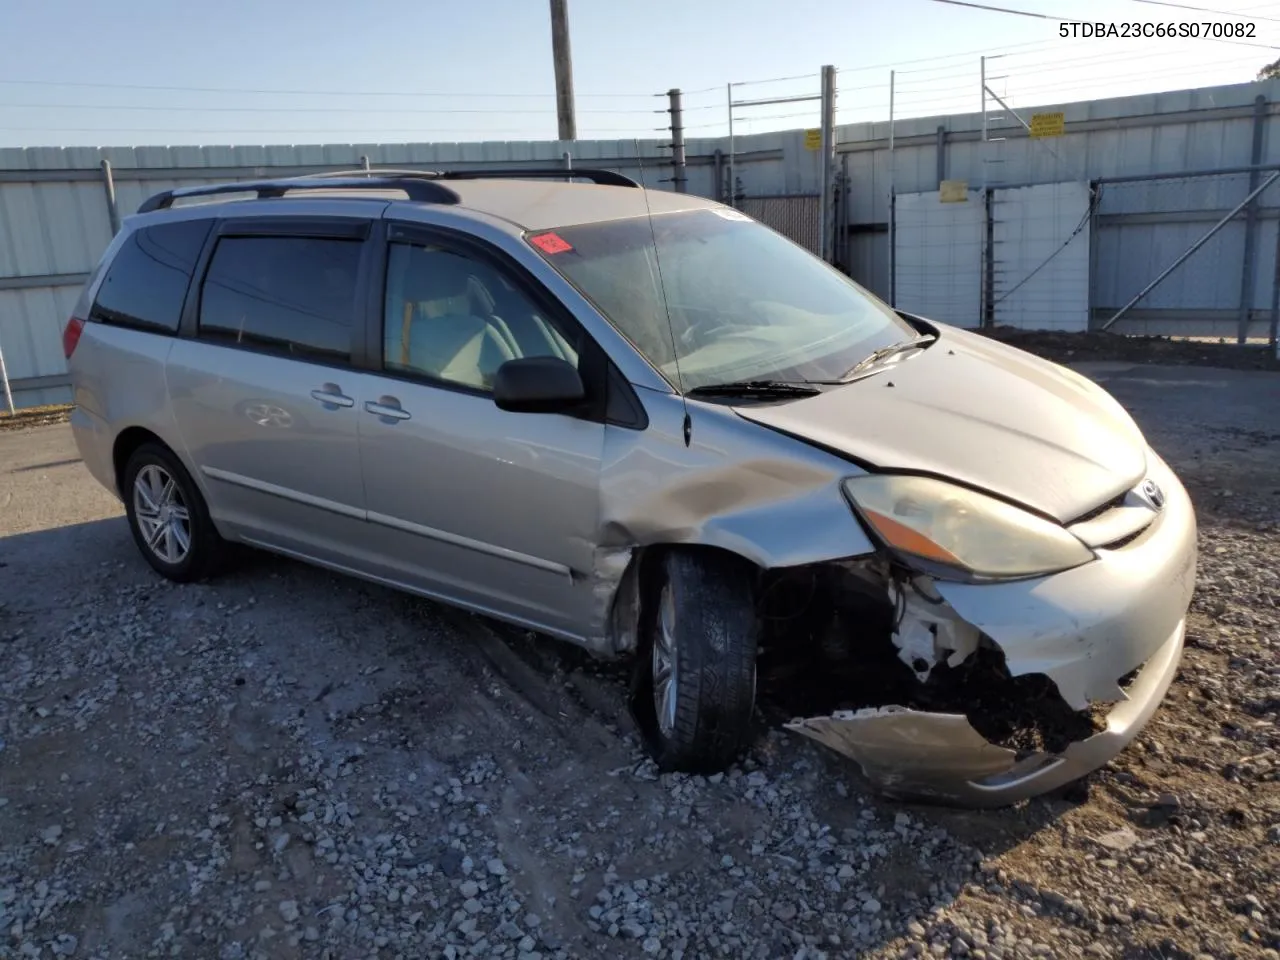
{"points": [[388, 408], [331, 395]]}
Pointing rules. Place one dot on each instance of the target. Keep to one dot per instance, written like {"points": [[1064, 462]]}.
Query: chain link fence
{"points": [[798, 217]]}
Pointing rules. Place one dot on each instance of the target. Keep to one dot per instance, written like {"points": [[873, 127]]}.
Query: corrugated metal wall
{"points": [[54, 222]]}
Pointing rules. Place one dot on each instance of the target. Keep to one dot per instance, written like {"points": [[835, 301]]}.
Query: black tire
{"points": [[716, 631], [204, 549]]}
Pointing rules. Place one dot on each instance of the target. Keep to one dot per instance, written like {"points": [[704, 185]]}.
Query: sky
{"points": [[134, 72]]}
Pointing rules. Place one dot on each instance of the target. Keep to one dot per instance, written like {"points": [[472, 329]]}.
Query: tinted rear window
{"points": [[147, 280], [293, 295]]}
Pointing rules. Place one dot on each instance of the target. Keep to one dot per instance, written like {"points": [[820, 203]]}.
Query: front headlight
{"points": [[960, 534]]}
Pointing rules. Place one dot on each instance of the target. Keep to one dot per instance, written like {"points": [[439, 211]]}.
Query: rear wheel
{"points": [[168, 517], [695, 690]]}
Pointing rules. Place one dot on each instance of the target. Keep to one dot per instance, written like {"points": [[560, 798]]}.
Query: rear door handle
{"points": [[331, 395], [387, 408]]}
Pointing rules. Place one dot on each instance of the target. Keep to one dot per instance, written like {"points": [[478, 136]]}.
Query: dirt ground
{"points": [[286, 763], [1102, 346]]}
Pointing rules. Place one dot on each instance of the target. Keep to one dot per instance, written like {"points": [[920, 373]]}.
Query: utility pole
{"points": [[677, 140], [828, 162], [564, 70]]}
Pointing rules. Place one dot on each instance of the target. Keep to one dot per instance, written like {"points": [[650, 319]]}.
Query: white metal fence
{"points": [[55, 218]]}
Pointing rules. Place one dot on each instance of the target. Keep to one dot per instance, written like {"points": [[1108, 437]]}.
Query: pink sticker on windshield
{"points": [[550, 243]]}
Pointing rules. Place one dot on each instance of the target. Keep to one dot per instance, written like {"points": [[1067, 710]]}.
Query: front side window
{"points": [[453, 317], [148, 277], [290, 295], [744, 303]]}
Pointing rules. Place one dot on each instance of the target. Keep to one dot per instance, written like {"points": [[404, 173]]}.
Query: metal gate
{"points": [[797, 217], [1015, 256]]}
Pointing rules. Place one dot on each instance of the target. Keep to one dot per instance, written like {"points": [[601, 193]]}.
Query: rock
{"points": [[496, 867], [1119, 840], [288, 910], [469, 889], [50, 835]]}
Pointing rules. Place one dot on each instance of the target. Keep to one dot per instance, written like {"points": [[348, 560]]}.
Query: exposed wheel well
{"points": [[130, 439], [650, 557]]}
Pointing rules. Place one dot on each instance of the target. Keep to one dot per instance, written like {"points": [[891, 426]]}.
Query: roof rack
{"points": [[416, 185], [420, 185], [606, 178]]}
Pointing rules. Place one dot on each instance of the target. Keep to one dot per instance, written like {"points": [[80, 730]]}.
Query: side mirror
{"points": [[537, 385]]}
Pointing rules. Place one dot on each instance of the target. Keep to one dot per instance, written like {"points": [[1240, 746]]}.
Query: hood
{"points": [[987, 415]]}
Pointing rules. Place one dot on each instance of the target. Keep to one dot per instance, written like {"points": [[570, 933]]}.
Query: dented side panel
{"points": [[769, 498]]}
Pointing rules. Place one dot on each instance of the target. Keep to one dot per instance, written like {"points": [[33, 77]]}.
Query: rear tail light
{"points": [[71, 336]]}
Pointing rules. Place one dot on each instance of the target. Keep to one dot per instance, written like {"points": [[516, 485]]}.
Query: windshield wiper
{"points": [[781, 389], [885, 352]]}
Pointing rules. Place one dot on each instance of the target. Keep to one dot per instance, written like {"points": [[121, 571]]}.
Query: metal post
{"points": [[1275, 299], [893, 260], [677, 139], [1095, 203], [982, 70], [364, 162], [989, 262], [717, 161], [988, 254], [942, 155], [828, 157], [1192, 249], [567, 158], [564, 70], [893, 253], [1249, 268], [8, 394], [846, 201], [733, 183], [109, 185]]}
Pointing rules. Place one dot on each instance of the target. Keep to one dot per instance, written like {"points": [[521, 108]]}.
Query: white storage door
{"points": [[938, 257], [1041, 256]]}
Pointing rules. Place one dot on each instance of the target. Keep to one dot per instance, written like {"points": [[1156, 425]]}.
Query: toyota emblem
{"points": [[1154, 493]]}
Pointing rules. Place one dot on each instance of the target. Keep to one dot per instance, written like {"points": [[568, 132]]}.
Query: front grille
{"points": [[1123, 541], [1099, 510]]}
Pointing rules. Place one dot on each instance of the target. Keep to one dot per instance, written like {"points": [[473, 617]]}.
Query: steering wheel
{"points": [[703, 328]]}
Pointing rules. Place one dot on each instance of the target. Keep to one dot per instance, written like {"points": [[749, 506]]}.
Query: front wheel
{"points": [[696, 676], [168, 517]]}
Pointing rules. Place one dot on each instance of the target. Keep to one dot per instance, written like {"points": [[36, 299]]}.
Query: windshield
{"points": [[745, 303]]}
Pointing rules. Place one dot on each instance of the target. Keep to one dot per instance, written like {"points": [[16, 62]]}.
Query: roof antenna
{"points": [[666, 307]]}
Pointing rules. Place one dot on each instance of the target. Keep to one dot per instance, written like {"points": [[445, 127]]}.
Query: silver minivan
{"points": [[644, 423]]}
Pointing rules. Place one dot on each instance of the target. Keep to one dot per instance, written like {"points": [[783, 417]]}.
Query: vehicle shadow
{"points": [[806, 792]]}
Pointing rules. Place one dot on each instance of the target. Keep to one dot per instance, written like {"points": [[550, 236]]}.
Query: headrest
{"points": [[434, 275]]}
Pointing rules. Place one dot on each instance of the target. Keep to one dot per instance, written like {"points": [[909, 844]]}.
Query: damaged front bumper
{"points": [[1108, 635]]}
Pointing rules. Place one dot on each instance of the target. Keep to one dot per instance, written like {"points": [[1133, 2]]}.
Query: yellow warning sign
{"points": [[813, 139], [953, 191], [1047, 125]]}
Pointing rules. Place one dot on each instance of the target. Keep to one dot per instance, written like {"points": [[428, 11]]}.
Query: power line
{"points": [[269, 131], [1047, 16], [1018, 13], [361, 110], [947, 56], [325, 93], [752, 83], [1221, 13]]}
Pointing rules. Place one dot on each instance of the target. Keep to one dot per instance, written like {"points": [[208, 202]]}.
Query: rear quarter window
{"points": [[289, 295], [148, 278]]}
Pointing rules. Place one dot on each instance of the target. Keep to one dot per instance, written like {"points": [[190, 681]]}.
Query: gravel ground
{"points": [[286, 763]]}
